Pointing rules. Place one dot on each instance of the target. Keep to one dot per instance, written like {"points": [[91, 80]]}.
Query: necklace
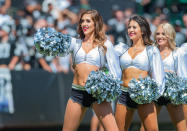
{"points": [[165, 54], [135, 49], [165, 51], [88, 44]]}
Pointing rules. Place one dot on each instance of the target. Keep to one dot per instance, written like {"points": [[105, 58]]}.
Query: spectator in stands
{"points": [[70, 15], [184, 29], [61, 64], [127, 14], [117, 25], [66, 19], [75, 7], [24, 39], [154, 23], [84, 5], [4, 6], [32, 8], [6, 19], [180, 36], [55, 7], [8, 57]]}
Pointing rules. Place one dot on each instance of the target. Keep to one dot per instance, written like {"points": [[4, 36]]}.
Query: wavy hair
{"points": [[145, 28], [169, 33], [99, 33]]}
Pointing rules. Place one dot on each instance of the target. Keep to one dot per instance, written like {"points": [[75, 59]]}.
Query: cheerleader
{"points": [[140, 61], [174, 60], [90, 53]]}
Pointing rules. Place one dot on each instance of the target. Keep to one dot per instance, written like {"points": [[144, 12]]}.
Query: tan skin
{"points": [[74, 111], [185, 112], [147, 112], [175, 112], [95, 124]]}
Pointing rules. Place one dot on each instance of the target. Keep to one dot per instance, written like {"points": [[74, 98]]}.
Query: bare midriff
{"points": [[130, 73], [3, 66], [81, 73]]}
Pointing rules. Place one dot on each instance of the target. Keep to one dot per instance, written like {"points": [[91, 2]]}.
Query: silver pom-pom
{"points": [[103, 86], [143, 90], [52, 43], [176, 89]]}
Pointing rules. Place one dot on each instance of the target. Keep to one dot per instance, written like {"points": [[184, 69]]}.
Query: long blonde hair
{"points": [[99, 33], [169, 33]]}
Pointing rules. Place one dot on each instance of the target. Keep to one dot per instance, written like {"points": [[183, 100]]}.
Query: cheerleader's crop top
{"points": [[126, 61], [169, 63], [177, 61], [96, 56], [93, 57], [149, 60]]}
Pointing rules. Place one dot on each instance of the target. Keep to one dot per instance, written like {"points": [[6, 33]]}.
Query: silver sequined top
{"points": [[96, 56], [177, 61], [126, 61]]}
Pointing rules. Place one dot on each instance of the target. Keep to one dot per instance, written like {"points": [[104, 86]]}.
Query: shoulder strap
{"points": [[125, 50], [123, 53]]}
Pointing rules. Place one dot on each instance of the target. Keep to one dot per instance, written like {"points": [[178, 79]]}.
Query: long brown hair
{"points": [[99, 33], [145, 28]]}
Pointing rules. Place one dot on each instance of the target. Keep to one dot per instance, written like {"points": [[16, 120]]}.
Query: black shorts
{"points": [[162, 101], [125, 99], [82, 97]]}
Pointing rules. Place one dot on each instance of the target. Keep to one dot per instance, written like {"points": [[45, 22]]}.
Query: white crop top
{"points": [[140, 61], [96, 56]]}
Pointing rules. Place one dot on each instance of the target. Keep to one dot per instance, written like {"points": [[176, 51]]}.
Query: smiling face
{"points": [[161, 37], [134, 31], [87, 24]]}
